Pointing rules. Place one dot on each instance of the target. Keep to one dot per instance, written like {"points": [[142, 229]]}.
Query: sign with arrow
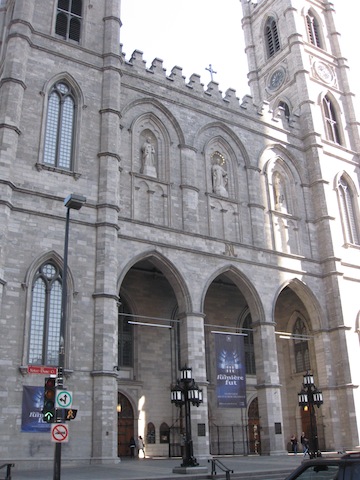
{"points": [[63, 399]]}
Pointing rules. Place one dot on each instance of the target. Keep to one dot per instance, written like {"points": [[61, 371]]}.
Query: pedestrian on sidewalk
{"points": [[294, 444], [141, 447], [305, 443], [132, 446]]}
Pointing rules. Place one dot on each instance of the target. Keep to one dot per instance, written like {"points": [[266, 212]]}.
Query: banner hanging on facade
{"points": [[230, 371], [32, 405]]}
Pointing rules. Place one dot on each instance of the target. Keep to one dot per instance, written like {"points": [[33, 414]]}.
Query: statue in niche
{"points": [[148, 158], [279, 193], [219, 178]]}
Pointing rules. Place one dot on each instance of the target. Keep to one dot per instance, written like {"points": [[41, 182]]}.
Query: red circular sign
{"points": [[59, 433]]}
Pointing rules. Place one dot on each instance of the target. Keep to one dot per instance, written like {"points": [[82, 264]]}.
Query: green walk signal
{"points": [[49, 400]]}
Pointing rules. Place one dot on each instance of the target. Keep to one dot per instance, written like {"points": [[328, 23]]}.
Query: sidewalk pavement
{"points": [[150, 468]]}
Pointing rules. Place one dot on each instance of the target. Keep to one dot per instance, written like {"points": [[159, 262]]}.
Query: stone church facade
{"points": [[203, 213]]}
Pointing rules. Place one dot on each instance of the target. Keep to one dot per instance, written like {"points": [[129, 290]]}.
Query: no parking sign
{"points": [[59, 433]]}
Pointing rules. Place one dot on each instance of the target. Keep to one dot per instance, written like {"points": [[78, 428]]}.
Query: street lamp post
{"points": [[74, 202], [186, 391], [308, 397]]}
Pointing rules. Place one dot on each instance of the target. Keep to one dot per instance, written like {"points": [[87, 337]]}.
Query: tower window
{"points": [[68, 19], [286, 109], [272, 37], [331, 121], [59, 131], [313, 30], [348, 212], [45, 316]]}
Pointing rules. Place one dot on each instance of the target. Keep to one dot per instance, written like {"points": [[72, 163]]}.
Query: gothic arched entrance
{"points": [[125, 414], [254, 427]]}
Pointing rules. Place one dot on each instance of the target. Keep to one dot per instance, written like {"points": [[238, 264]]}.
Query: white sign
{"points": [[59, 433], [63, 399]]}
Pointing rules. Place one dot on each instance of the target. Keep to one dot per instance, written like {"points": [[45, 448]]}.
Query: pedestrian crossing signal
{"points": [[70, 414], [49, 400]]}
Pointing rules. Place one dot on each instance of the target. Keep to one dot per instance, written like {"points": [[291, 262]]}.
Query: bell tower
{"points": [[296, 66], [295, 62]]}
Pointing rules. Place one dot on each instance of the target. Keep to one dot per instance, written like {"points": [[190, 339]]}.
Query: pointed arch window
{"points": [[301, 346], [286, 109], [313, 30], [249, 345], [331, 121], [164, 433], [68, 19], [45, 316], [272, 37], [59, 129], [348, 212], [150, 433], [125, 337]]}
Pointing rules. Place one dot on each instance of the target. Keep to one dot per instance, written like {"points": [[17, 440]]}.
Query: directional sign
{"points": [[63, 399], [59, 433]]}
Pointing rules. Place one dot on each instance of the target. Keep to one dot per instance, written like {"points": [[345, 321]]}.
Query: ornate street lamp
{"points": [[307, 398], [184, 392]]}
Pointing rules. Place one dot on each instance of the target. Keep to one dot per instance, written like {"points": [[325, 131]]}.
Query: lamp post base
{"points": [[190, 470]]}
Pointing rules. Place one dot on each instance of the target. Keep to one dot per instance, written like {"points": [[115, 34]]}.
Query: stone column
{"points": [[189, 189], [192, 345], [106, 294], [268, 387], [16, 51], [257, 207]]}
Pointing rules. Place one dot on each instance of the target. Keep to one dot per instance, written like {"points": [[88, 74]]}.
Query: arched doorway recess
{"points": [[125, 415], [254, 427]]}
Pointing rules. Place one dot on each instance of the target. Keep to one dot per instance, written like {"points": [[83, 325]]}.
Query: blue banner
{"points": [[230, 371], [32, 405]]}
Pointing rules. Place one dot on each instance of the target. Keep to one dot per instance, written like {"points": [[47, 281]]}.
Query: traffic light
{"points": [[49, 400]]}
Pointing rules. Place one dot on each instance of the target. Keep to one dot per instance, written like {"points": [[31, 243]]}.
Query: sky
{"points": [[194, 34]]}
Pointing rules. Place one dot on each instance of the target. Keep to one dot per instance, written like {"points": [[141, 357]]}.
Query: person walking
{"points": [[132, 446], [294, 444], [141, 446]]}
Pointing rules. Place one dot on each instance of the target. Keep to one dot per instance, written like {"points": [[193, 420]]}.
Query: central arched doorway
{"points": [[125, 425]]}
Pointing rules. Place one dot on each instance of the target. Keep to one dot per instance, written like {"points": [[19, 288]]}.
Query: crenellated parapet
{"points": [[136, 65]]}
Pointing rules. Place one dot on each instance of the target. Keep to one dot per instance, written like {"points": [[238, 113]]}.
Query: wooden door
{"points": [[125, 425]]}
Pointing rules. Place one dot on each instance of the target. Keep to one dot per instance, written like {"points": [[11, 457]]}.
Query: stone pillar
{"points": [[16, 51], [189, 189], [268, 387], [106, 294], [192, 341], [257, 207]]}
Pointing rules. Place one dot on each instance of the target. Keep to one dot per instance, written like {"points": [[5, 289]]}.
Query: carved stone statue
{"points": [[279, 193], [219, 179], [148, 158]]}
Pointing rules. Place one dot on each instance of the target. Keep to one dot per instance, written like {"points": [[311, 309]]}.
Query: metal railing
{"points": [[215, 462], [8, 470]]}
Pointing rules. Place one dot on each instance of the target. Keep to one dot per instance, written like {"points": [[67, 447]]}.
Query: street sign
{"points": [[63, 399], [41, 370], [59, 433]]}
